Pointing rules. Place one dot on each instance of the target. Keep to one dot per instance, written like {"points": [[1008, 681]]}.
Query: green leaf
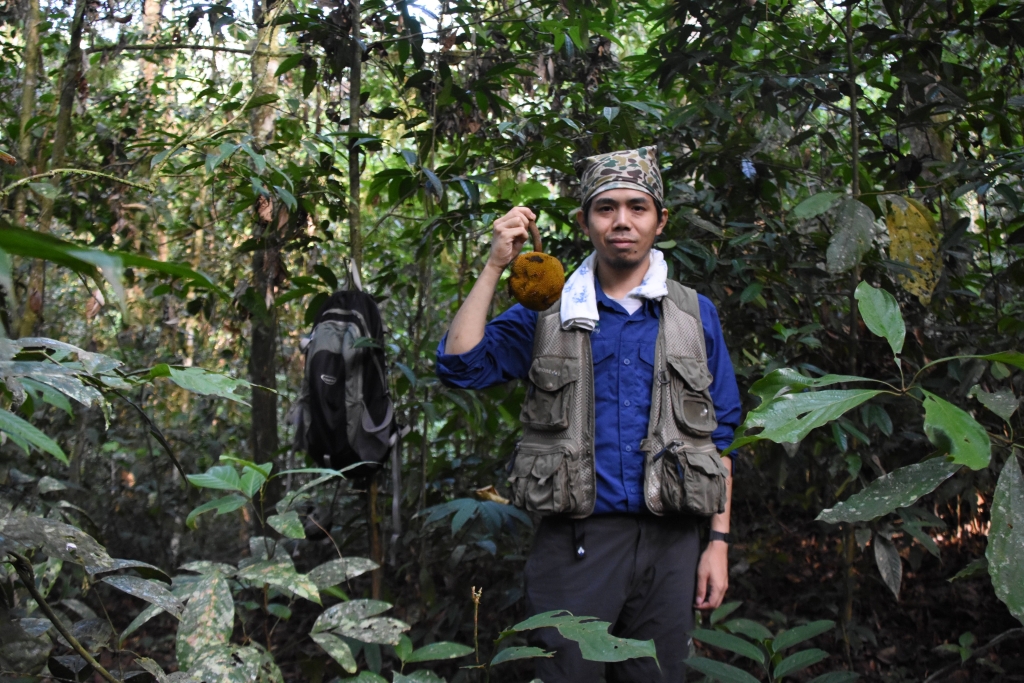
{"points": [[610, 113], [25, 435], [889, 564], [720, 671], [338, 649], [404, 648], [280, 572], [45, 190], [1005, 551], [788, 380], [339, 571], [954, 431], [280, 611], [261, 100], [836, 677], [724, 611], [794, 636], [852, 239], [152, 592], [207, 622], [596, 644], [897, 489], [790, 417], [798, 661], [252, 481], [223, 477], [221, 505], [513, 653], [288, 64], [288, 524], [815, 205], [1003, 402], [749, 628], [437, 651], [974, 568], [421, 676], [731, 643], [354, 610], [1014, 358], [882, 315], [208, 383]]}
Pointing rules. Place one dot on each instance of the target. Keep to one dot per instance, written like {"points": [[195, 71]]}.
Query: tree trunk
{"points": [[30, 78], [32, 312], [270, 216], [355, 87]]}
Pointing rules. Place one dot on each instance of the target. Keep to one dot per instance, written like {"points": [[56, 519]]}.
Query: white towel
{"points": [[579, 295]]}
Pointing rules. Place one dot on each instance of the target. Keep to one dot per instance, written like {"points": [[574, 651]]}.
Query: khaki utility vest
{"points": [[553, 467]]}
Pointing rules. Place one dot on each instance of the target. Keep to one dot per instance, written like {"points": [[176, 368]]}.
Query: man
{"points": [[627, 375]]}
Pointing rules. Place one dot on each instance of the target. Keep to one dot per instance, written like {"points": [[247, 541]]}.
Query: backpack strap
{"points": [[686, 301]]}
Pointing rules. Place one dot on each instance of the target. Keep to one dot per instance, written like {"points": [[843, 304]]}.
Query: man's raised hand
{"points": [[510, 234]]}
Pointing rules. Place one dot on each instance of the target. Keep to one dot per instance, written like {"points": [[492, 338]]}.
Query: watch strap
{"points": [[719, 536]]}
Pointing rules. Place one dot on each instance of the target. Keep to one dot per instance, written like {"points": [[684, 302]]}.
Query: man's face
{"points": [[623, 225]]}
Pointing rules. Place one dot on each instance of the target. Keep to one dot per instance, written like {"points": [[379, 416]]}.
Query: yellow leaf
{"points": [[914, 240], [490, 493]]}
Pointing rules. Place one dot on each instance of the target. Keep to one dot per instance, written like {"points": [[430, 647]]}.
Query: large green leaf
{"points": [[437, 651], [222, 505], [890, 566], [596, 644], [790, 417], [798, 661], [720, 671], [521, 652], [815, 205], [882, 315], [287, 524], [786, 380], [897, 489], [152, 592], [223, 477], [855, 230], [421, 676], [57, 539], [338, 571], [731, 643], [280, 573], [1003, 402], [1005, 551], [799, 634], [207, 622], [954, 431], [338, 649], [25, 435], [353, 610]]}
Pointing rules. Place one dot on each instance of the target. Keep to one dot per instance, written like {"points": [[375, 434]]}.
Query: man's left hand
{"points": [[712, 576]]}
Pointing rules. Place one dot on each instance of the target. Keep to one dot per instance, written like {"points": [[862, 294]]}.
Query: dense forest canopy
{"points": [[185, 184]]}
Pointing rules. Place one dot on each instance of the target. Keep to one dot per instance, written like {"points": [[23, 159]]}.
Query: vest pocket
{"points": [[550, 393], [689, 379], [693, 480], [540, 479]]}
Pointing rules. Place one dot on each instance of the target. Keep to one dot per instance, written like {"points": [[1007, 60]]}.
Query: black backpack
{"points": [[345, 414]]}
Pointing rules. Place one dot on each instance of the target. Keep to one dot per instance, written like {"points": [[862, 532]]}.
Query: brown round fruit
{"points": [[536, 280]]}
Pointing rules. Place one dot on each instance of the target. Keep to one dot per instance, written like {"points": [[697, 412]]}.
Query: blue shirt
{"points": [[623, 349]]}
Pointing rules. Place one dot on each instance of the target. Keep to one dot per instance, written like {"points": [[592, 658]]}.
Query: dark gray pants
{"points": [[639, 573]]}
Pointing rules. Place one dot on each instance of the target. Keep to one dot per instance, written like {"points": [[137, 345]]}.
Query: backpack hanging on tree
{"points": [[345, 414]]}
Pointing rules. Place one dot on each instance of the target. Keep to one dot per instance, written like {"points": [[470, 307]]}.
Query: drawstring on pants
{"points": [[578, 538]]}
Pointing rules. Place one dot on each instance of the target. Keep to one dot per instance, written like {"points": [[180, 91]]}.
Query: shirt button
{"points": [[629, 449], [625, 361], [626, 403]]}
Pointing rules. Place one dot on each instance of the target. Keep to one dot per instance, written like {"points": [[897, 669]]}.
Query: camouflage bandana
{"points": [[634, 169]]}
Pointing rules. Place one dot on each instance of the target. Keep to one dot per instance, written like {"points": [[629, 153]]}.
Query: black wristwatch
{"points": [[719, 536]]}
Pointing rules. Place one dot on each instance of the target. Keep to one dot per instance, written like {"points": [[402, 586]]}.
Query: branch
{"points": [[28, 578], [160, 48], [1005, 635], [155, 431], [70, 171]]}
